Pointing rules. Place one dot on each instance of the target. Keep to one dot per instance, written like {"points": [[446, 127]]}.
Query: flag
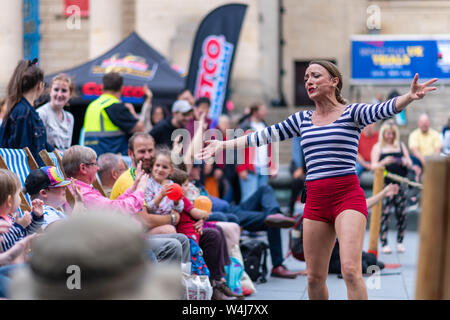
{"points": [[212, 56]]}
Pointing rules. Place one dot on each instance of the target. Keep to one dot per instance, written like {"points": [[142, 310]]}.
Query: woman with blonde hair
{"points": [[392, 154], [58, 123]]}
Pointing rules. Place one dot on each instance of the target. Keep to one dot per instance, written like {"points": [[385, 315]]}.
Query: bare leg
{"points": [[318, 242], [350, 228]]}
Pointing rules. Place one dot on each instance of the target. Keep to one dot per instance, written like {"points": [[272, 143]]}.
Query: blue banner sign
{"points": [[395, 59]]}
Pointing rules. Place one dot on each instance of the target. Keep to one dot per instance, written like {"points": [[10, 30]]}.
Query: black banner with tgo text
{"points": [[212, 55]]}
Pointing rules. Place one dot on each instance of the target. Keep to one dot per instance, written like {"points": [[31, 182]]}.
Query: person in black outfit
{"points": [[391, 153], [182, 113]]}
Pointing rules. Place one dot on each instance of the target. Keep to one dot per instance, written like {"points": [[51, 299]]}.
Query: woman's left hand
{"points": [[419, 90]]}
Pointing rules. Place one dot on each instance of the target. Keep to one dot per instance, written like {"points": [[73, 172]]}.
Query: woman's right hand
{"points": [[212, 147]]}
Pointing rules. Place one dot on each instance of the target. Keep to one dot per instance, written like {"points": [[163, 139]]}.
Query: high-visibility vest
{"points": [[96, 120]]}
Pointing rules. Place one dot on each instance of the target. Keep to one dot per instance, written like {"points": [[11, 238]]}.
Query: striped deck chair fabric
{"points": [[55, 159], [17, 161]]}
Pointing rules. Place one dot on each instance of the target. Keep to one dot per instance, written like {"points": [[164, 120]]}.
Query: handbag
{"points": [[196, 287], [246, 282], [233, 276]]}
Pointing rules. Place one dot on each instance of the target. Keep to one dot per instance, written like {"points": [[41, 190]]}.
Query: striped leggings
{"points": [[399, 203]]}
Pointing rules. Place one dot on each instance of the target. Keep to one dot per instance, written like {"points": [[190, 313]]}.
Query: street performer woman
{"points": [[335, 202]]}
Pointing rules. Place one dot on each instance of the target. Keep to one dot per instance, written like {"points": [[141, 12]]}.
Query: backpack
{"points": [[296, 239], [368, 259], [296, 249], [254, 254]]}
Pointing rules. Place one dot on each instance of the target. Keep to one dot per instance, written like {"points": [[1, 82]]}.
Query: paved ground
{"points": [[389, 287]]}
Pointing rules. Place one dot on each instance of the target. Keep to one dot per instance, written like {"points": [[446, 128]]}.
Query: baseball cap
{"points": [[45, 177], [181, 106]]}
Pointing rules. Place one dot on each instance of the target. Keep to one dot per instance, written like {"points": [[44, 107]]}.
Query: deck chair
{"points": [[54, 159], [21, 162]]}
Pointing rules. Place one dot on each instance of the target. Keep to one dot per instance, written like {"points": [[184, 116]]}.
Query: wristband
{"points": [[173, 218]]}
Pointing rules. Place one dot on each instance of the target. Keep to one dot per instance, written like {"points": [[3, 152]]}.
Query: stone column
{"points": [[105, 18], [11, 40]]}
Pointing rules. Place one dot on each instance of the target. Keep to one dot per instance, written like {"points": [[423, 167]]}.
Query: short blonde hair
{"points": [[74, 156], [389, 125], [9, 185]]}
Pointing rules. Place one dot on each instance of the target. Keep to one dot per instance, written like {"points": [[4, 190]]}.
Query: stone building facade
{"points": [[311, 29]]}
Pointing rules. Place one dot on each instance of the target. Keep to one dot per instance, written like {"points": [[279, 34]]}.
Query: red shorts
{"points": [[327, 198]]}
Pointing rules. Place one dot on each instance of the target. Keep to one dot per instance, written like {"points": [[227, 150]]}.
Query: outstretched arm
{"points": [[388, 191], [286, 129], [196, 144], [214, 146], [417, 92]]}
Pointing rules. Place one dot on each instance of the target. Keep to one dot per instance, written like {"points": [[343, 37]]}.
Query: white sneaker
{"points": [[400, 248], [386, 249]]}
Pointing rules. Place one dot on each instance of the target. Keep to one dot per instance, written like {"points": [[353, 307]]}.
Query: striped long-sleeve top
{"points": [[330, 150], [17, 232]]}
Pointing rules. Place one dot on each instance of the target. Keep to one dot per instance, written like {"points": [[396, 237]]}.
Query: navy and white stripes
{"points": [[17, 232], [329, 150]]}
